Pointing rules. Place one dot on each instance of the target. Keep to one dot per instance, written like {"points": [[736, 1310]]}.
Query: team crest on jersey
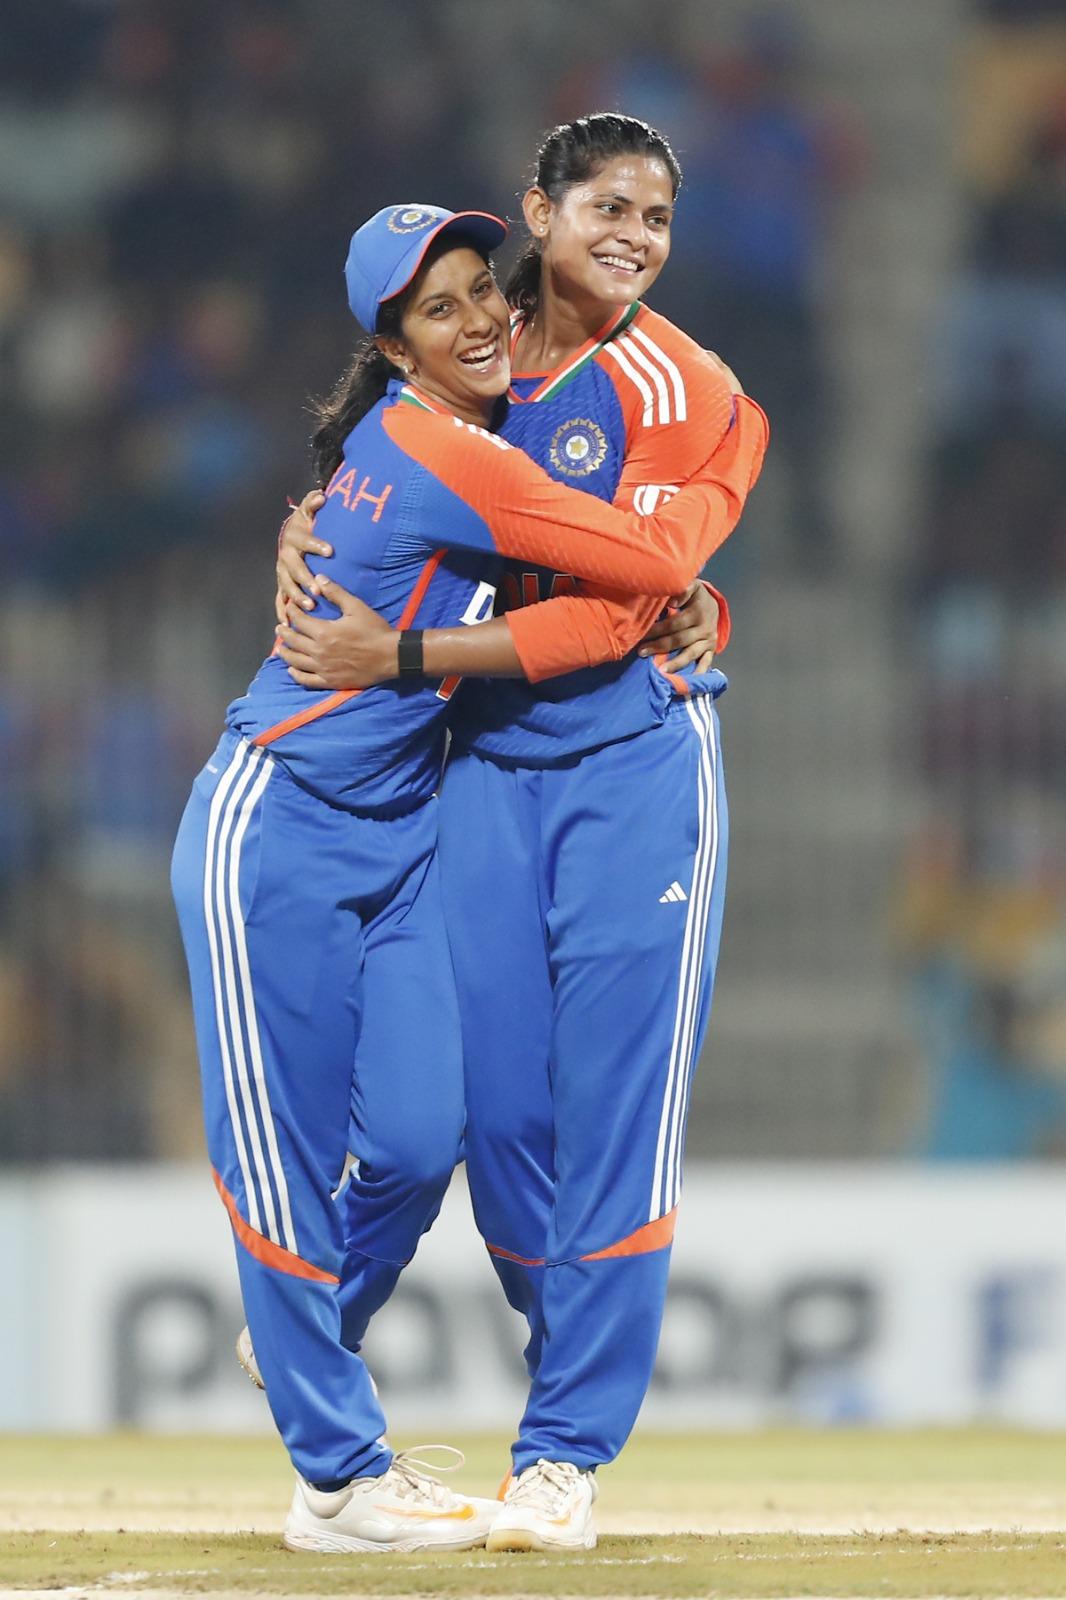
{"points": [[578, 447], [410, 219]]}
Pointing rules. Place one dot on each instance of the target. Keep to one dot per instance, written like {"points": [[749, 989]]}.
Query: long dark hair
{"points": [[570, 154], [368, 375]]}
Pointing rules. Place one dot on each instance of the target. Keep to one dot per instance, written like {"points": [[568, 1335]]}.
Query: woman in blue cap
{"points": [[305, 873]]}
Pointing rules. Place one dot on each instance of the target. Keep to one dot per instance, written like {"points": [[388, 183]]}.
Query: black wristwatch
{"points": [[409, 653]]}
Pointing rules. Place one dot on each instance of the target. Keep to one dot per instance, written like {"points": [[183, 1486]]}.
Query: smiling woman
{"points": [[458, 324], [601, 240]]}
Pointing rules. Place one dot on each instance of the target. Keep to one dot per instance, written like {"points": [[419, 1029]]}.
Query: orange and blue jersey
{"points": [[629, 419], [419, 513]]}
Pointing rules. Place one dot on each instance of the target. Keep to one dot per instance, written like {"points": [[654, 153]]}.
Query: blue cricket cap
{"points": [[386, 252]]}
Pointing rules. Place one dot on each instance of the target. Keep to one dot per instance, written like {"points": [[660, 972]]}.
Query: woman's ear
{"points": [[536, 208], [395, 350]]}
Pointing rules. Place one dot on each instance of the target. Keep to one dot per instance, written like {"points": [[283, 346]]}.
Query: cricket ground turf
{"points": [[774, 1514]]}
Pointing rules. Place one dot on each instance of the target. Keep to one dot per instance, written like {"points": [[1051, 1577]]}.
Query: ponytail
{"points": [[358, 391], [522, 289]]}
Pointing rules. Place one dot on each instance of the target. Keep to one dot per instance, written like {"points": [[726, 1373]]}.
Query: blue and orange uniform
{"points": [[306, 883], [585, 909]]}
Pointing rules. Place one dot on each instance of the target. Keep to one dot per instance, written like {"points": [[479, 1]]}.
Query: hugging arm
{"points": [[359, 648], [491, 497]]}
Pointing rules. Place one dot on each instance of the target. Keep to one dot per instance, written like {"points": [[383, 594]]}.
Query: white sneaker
{"points": [[547, 1507], [246, 1357], [403, 1509]]}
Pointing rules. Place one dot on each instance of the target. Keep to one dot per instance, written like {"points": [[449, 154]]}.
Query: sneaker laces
{"points": [[411, 1476], [544, 1487]]}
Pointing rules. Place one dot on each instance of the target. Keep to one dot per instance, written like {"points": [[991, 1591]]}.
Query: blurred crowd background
{"points": [[872, 231]]}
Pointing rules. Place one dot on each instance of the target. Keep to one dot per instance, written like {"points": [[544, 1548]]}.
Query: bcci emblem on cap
{"points": [[578, 447], [412, 219]]}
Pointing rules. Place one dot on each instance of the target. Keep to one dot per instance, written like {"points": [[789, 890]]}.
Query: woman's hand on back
{"points": [[352, 651], [296, 582], [690, 627]]}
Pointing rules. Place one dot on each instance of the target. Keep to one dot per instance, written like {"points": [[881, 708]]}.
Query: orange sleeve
{"points": [[510, 505], [667, 444], [591, 627], [581, 630]]}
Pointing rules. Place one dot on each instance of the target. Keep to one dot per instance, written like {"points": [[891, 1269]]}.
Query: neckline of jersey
{"points": [[568, 370], [415, 397]]}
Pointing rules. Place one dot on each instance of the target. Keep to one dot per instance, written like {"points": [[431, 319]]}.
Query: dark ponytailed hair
{"points": [[366, 379], [358, 390], [571, 154]]}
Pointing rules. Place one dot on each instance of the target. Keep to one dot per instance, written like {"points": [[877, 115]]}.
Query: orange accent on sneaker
{"points": [[465, 1514]]}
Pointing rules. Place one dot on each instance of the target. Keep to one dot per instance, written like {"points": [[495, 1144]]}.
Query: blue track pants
{"points": [[326, 1023], [584, 908]]}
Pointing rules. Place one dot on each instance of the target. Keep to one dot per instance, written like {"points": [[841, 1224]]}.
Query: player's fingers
{"points": [[697, 607], [309, 680], [295, 578], [298, 624], [677, 638], [298, 532], [294, 655], [342, 598], [697, 651], [705, 662], [660, 628], [281, 606], [680, 601]]}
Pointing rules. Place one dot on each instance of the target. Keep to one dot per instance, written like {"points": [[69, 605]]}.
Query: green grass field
{"points": [[787, 1513]]}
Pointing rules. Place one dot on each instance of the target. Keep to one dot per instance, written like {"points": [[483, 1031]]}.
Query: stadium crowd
{"points": [[984, 912]]}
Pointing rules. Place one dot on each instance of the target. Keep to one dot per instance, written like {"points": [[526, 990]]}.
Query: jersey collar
{"points": [[568, 370], [411, 396]]}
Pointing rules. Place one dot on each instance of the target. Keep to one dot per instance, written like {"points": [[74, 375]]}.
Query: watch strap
{"points": [[409, 653]]}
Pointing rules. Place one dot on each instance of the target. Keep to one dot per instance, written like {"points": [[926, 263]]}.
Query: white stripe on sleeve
{"points": [[622, 360], [634, 351], [671, 369]]}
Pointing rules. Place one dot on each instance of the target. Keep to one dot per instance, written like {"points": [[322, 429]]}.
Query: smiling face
{"points": [[454, 335], [606, 239]]}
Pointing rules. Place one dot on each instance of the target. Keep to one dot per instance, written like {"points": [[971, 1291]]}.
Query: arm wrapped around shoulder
{"points": [[501, 501]]}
